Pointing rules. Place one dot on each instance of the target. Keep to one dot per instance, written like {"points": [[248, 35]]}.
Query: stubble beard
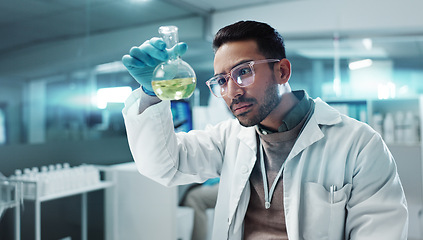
{"points": [[270, 101]]}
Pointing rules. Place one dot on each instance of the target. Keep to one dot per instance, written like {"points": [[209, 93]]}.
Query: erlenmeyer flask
{"points": [[174, 79]]}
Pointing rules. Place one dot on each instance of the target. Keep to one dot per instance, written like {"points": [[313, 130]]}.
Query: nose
{"points": [[233, 90]]}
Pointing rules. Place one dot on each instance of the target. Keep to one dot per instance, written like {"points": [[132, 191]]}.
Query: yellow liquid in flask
{"points": [[174, 89]]}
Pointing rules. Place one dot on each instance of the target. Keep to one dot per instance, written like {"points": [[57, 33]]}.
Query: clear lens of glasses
{"points": [[243, 76], [216, 90]]}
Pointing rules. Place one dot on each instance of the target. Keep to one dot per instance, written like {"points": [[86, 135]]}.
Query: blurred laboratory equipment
{"points": [[11, 197], [55, 179], [378, 123], [389, 128], [174, 79], [411, 128], [398, 127], [6, 194], [52, 182]]}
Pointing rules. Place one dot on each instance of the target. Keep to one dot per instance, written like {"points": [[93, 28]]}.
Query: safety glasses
{"points": [[243, 75]]}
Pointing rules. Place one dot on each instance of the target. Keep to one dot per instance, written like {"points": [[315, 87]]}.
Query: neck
{"points": [[275, 118]]}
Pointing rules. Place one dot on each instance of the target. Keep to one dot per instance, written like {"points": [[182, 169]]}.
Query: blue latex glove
{"points": [[141, 61], [211, 181]]}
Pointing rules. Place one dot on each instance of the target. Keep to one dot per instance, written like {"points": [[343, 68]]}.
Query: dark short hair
{"points": [[270, 43]]}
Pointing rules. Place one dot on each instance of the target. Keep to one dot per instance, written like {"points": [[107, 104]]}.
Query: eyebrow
{"points": [[236, 65]]}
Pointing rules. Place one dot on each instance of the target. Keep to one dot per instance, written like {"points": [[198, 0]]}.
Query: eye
{"points": [[244, 71], [221, 81]]}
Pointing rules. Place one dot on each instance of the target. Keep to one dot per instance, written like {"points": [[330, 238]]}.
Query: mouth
{"points": [[241, 108]]}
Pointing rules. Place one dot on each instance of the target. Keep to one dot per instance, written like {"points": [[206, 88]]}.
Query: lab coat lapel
{"points": [[244, 163], [323, 115], [310, 134]]}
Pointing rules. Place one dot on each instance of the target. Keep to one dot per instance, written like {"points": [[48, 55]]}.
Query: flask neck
{"points": [[170, 37], [173, 56]]}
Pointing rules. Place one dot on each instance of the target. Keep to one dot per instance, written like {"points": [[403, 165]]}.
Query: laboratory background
{"points": [[66, 169]]}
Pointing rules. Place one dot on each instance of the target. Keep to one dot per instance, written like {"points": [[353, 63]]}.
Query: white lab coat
{"points": [[332, 150]]}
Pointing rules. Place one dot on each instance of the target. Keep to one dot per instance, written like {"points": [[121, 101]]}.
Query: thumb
{"points": [[180, 48]]}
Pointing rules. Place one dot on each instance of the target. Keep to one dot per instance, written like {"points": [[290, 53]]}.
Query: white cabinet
{"points": [[138, 208]]}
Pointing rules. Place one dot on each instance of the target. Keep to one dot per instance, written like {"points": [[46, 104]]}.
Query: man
{"points": [[290, 167]]}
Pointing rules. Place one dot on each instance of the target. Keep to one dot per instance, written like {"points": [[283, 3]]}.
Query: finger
{"points": [[143, 56], [158, 43], [131, 62], [155, 49], [181, 48]]}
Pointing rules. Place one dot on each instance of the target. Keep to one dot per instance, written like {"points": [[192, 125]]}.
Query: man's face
{"points": [[251, 104]]}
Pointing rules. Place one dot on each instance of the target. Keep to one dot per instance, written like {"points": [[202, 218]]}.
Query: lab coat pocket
{"points": [[322, 219]]}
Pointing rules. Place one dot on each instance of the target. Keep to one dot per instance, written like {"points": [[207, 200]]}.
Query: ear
{"points": [[283, 71]]}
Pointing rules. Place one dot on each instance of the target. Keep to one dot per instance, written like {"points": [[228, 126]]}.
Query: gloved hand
{"points": [[142, 60]]}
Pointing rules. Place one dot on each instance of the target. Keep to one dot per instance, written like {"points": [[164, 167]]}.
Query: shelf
{"points": [[34, 190], [6, 205], [101, 185], [404, 145]]}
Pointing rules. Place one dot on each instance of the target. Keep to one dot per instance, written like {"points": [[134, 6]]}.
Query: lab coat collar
{"points": [[323, 115], [245, 136]]}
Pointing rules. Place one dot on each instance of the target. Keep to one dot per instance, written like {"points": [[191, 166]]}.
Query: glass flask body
{"points": [[174, 79]]}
